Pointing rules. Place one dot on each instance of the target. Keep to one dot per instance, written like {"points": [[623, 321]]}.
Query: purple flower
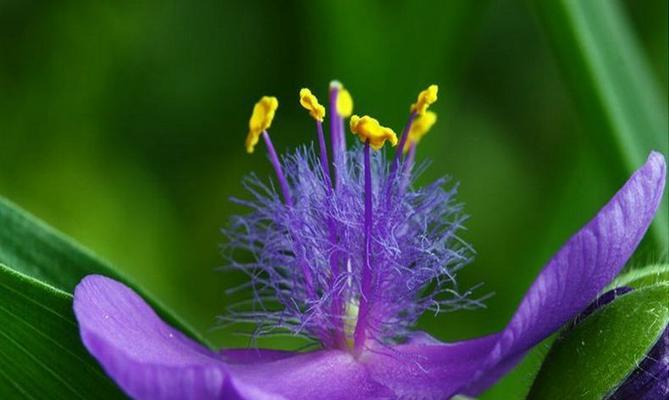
{"points": [[350, 253]]}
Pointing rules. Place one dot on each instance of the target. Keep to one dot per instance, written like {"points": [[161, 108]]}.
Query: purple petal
{"points": [[147, 358], [251, 356], [150, 360], [426, 369], [324, 374], [587, 262], [581, 268]]}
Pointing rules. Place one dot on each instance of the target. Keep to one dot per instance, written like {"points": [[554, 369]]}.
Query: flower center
{"points": [[347, 252]]}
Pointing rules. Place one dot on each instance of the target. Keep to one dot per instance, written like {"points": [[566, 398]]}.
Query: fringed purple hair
{"points": [[324, 255]]}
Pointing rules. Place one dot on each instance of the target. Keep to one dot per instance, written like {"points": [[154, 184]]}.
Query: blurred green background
{"points": [[122, 124]]}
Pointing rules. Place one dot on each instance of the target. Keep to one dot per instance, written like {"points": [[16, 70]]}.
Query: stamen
{"points": [[274, 159], [359, 335], [421, 125], [374, 136], [342, 104], [408, 166], [425, 98], [398, 152], [310, 102], [317, 111], [411, 156], [261, 120], [371, 132]]}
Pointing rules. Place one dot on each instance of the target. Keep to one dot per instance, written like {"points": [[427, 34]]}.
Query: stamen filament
{"points": [[400, 147], [410, 157], [366, 276], [317, 111], [408, 166], [324, 153], [332, 237], [274, 159], [337, 133], [390, 182], [285, 189], [337, 304]]}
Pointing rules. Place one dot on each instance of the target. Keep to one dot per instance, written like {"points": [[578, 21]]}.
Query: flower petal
{"points": [[250, 356], [426, 368], [147, 358], [150, 360], [588, 262], [323, 374], [580, 269]]}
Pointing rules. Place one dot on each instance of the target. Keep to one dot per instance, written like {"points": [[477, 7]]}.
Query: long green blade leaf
{"points": [[40, 351], [38, 251], [612, 83]]}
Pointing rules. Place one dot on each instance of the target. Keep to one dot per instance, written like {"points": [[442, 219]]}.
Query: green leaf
{"points": [[39, 339], [34, 249], [608, 73], [590, 360]]}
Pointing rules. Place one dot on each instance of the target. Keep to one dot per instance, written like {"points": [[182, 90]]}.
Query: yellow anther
{"points": [[261, 120], [425, 98], [420, 126], [310, 102], [369, 130], [344, 103]]}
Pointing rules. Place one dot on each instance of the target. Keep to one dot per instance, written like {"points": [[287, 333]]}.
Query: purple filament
{"points": [[323, 152], [366, 280], [337, 136], [274, 159]]}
